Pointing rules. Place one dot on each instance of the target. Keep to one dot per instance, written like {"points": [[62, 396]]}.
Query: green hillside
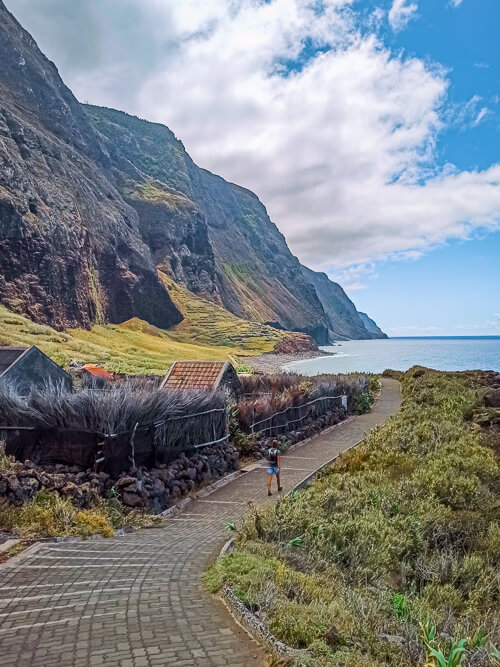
{"points": [[208, 332]]}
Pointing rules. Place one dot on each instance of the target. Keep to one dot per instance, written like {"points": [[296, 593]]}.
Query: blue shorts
{"points": [[273, 470]]}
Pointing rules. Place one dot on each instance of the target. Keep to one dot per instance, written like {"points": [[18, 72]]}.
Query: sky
{"points": [[369, 129]]}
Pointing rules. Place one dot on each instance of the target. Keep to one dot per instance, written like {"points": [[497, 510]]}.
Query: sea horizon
{"points": [[446, 353], [465, 337]]}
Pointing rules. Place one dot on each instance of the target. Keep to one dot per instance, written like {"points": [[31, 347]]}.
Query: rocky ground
{"points": [[274, 363]]}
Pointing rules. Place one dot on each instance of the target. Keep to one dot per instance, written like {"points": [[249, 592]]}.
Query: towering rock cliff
{"points": [[256, 276], [93, 201], [71, 252], [344, 321], [371, 326]]}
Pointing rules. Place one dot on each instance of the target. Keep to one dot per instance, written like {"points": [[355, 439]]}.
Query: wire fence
{"points": [[299, 412]]}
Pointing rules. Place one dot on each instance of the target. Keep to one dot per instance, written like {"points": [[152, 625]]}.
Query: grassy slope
{"points": [[403, 529], [208, 333], [207, 323]]}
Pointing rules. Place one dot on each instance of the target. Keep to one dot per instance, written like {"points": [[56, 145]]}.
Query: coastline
{"points": [[273, 363]]}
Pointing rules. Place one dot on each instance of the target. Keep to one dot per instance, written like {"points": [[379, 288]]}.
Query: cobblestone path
{"points": [[137, 600]]}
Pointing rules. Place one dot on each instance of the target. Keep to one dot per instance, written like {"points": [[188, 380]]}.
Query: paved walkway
{"points": [[137, 600]]}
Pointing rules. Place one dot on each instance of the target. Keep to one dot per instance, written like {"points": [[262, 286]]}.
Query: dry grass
{"points": [[134, 347], [279, 394], [117, 409], [49, 515]]}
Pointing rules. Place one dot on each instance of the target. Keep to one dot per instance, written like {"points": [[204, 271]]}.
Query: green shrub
{"points": [[403, 528], [6, 462], [49, 515]]}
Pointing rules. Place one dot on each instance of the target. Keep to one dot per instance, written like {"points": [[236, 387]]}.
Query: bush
{"points": [[119, 408], [284, 394], [49, 515], [6, 462], [403, 528]]}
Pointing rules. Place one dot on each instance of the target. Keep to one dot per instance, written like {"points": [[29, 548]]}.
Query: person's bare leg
{"points": [[269, 479], [278, 482]]}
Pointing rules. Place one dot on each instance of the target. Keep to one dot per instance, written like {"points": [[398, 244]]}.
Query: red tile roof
{"points": [[94, 369], [194, 374]]}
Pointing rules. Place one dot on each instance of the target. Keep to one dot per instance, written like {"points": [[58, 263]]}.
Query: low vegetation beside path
{"points": [[49, 514], [393, 556]]}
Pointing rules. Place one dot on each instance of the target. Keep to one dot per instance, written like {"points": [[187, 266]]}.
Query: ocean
{"points": [[374, 356]]}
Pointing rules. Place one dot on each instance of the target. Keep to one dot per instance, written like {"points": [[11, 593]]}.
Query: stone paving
{"points": [[137, 600]]}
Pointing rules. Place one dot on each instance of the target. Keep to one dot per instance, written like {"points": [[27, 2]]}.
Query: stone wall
{"points": [[154, 489], [308, 428]]}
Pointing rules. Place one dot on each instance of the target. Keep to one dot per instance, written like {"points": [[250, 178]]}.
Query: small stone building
{"points": [[203, 375], [30, 367]]}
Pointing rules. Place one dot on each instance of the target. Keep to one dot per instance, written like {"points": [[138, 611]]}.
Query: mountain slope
{"points": [[93, 201], [371, 326], [344, 321], [256, 276], [71, 252]]}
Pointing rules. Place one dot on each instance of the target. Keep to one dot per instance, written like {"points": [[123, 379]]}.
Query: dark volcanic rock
{"points": [[71, 252], [371, 326], [492, 398]]}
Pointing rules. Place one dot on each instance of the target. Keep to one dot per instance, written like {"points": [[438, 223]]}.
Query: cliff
{"points": [[371, 327], [252, 273], [344, 321], [94, 201], [71, 252]]}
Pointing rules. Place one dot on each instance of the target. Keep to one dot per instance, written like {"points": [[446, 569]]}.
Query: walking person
{"points": [[273, 467]]}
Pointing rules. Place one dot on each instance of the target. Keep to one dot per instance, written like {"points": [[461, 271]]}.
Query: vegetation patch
{"points": [[158, 193], [207, 333], [134, 347], [49, 515], [207, 323], [279, 402], [392, 557]]}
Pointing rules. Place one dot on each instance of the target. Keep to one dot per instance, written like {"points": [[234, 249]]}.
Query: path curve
{"points": [[137, 600]]}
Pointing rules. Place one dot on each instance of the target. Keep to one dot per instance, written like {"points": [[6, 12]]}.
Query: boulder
{"points": [[132, 500], [26, 490], [13, 482], [125, 481], [71, 490], [58, 481], [492, 398]]}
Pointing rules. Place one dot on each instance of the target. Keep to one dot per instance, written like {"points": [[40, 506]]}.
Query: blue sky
{"points": [[369, 129], [453, 290]]}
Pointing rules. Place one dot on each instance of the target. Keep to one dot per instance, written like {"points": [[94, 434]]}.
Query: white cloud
{"points": [[401, 13], [455, 3], [481, 115], [354, 278], [341, 150], [470, 113], [485, 328]]}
